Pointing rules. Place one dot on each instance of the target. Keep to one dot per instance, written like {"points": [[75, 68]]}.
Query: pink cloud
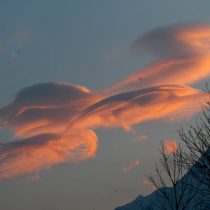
{"points": [[133, 164], [54, 123], [169, 146]]}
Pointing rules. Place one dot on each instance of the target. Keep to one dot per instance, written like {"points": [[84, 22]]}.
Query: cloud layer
{"points": [[183, 57], [54, 123]]}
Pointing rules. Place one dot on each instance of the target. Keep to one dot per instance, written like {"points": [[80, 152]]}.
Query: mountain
{"points": [[193, 189]]}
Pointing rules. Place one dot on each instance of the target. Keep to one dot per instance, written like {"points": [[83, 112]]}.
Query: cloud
{"points": [[132, 107], [133, 164], [39, 114], [165, 42], [44, 107], [41, 152], [169, 146], [183, 57], [54, 123], [140, 137]]}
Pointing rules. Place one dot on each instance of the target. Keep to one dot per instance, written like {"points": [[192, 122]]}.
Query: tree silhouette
{"points": [[175, 191], [196, 156]]}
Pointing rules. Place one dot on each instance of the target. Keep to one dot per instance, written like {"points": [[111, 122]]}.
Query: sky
{"points": [[88, 90]]}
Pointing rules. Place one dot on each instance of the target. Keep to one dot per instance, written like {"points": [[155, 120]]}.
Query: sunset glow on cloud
{"points": [[39, 152], [54, 123], [133, 164], [170, 146], [184, 57]]}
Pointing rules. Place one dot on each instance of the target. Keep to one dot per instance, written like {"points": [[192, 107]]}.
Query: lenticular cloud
{"points": [[54, 123]]}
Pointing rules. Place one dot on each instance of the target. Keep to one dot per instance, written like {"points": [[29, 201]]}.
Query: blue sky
{"points": [[85, 43]]}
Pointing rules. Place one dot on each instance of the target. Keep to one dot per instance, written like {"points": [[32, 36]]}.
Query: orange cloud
{"points": [[45, 108], [129, 108], [53, 122], [133, 164], [41, 152], [185, 57], [169, 146]]}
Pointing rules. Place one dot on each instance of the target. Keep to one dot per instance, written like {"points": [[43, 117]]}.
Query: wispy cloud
{"points": [[140, 137], [133, 164], [132, 107], [169, 146], [183, 57], [54, 123]]}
